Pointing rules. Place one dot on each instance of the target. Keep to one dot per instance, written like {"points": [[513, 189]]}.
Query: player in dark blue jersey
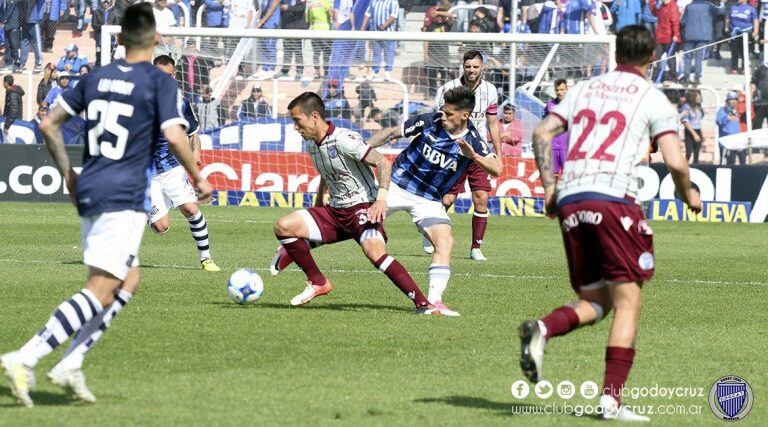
{"points": [[443, 147], [127, 105], [170, 187]]}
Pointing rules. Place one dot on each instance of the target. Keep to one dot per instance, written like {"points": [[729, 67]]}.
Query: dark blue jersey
{"points": [[431, 164], [126, 107], [164, 160]]}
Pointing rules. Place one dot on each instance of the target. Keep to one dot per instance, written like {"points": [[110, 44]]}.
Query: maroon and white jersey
{"points": [[486, 102], [339, 159], [612, 120]]}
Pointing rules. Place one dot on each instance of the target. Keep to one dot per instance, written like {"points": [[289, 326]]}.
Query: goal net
{"points": [[241, 81]]}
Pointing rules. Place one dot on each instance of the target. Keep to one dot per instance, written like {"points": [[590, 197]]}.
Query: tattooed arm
{"points": [[54, 142], [542, 150], [385, 135]]}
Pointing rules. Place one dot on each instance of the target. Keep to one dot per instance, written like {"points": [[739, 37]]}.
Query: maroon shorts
{"points": [[478, 180], [606, 240], [337, 225]]}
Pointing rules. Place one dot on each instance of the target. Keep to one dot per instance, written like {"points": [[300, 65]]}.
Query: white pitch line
{"points": [[419, 273]]}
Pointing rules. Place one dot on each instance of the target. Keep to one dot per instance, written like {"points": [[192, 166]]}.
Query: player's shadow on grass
{"points": [[505, 409], [319, 306], [42, 398]]}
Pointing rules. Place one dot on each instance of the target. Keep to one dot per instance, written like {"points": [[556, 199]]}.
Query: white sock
{"points": [[438, 281], [92, 331], [542, 328]]}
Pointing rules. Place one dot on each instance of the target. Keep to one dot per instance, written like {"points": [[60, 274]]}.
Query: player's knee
{"points": [[283, 227], [373, 248], [480, 200], [189, 209], [600, 310]]}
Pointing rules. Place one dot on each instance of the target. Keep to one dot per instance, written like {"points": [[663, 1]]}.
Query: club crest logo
{"points": [[332, 152], [731, 398]]}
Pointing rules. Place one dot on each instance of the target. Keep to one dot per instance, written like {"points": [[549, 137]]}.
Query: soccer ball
{"points": [[245, 286]]}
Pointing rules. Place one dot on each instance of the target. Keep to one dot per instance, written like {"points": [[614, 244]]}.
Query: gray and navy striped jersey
{"points": [[339, 159]]}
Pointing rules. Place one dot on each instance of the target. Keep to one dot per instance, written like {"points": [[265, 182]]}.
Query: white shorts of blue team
{"points": [[111, 240], [169, 190], [425, 213]]}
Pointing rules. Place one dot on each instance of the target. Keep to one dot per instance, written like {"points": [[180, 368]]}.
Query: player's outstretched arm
{"points": [[489, 163], [678, 167], [378, 211], [385, 135], [54, 142], [542, 150], [179, 145]]}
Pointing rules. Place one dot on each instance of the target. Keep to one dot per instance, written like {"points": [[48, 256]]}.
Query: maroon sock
{"points": [[561, 321], [400, 277], [298, 249], [618, 362], [479, 223]]}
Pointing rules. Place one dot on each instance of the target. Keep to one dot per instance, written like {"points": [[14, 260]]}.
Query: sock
{"points": [[479, 224], [438, 281], [560, 321], [298, 249], [618, 362], [199, 229], [66, 319], [400, 277], [92, 331]]}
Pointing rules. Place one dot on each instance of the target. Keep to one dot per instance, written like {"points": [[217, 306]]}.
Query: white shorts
{"points": [[169, 190], [424, 212], [111, 241]]}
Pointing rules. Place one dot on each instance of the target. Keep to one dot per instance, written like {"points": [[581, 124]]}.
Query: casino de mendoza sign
{"points": [[733, 194]]}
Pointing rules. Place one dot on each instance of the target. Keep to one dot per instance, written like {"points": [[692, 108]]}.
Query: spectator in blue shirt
{"points": [[628, 12], [216, 14], [382, 16], [740, 19], [30, 36], [56, 90], [72, 60], [575, 15], [727, 120], [270, 19], [648, 18], [14, 13], [696, 28], [53, 11]]}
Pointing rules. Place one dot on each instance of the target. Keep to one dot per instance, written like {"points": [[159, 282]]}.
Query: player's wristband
{"points": [[382, 195]]}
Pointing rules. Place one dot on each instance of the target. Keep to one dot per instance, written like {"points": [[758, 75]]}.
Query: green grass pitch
{"points": [[182, 353]]}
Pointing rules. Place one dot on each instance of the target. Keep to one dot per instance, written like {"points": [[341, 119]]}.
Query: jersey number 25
{"points": [[107, 113]]}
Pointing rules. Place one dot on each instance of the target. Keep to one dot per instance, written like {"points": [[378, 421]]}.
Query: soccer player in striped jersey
{"points": [[608, 243], [170, 187], [128, 104], [484, 119], [444, 146], [356, 209]]}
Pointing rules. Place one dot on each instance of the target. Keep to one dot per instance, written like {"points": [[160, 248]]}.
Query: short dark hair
{"points": [[8, 79], [472, 54], [308, 102], [164, 60], [559, 82], [460, 97], [138, 26], [508, 107], [634, 45]]}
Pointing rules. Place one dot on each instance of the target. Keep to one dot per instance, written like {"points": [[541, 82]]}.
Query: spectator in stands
{"points": [[30, 36], [194, 70], [81, 7], [648, 18], [667, 35], [254, 106], [549, 18], [696, 24], [292, 18], [217, 13], [241, 13], [727, 120], [486, 48], [504, 16], [336, 105], [741, 18], [14, 14], [381, 16], [209, 110], [71, 61], [62, 83], [14, 104], [54, 10], [577, 14], [437, 62], [759, 87], [559, 142], [510, 133], [489, 22], [108, 14], [366, 96], [270, 20], [628, 12], [46, 83], [42, 111], [691, 116], [163, 16], [319, 15]]}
